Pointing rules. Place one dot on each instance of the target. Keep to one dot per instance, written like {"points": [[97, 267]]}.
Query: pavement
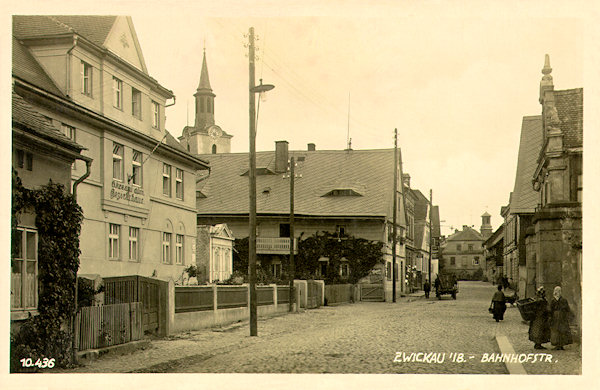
{"points": [[413, 335]]}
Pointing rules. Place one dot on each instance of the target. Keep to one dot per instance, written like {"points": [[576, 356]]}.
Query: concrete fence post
{"points": [[274, 286], [215, 297], [170, 307]]}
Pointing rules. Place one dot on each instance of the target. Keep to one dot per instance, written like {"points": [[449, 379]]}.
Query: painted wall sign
{"points": [[129, 193]]}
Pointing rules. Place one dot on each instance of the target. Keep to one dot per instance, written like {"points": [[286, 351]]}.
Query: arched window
{"points": [[214, 149]]}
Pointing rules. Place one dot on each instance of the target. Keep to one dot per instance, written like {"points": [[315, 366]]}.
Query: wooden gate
{"points": [[314, 294], [372, 293], [126, 289]]}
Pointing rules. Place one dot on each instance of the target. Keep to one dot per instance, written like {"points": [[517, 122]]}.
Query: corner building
{"points": [[138, 198]]}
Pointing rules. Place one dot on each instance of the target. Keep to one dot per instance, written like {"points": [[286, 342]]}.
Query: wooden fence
{"points": [[339, 293], [199, 298], [107, 325]]}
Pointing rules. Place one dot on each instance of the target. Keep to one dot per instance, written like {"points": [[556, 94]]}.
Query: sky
{"points": [[456, 88]]}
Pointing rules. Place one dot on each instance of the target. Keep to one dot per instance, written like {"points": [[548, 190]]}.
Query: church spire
{"points": [[204, 81], [205, 98]]}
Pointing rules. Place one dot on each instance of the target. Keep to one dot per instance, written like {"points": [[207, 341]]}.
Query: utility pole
{"points": [[430, 236], [292, 266], [394, 221], [252, 195], [406, 221]]}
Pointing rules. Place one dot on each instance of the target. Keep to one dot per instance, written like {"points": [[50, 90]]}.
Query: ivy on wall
{"points": [[360, 254], [58, 220]]}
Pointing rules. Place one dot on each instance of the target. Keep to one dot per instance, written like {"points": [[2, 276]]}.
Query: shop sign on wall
{"points": [[127, 192]]}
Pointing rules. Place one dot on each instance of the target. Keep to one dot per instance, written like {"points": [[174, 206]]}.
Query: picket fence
{"points": [[107, 325]]}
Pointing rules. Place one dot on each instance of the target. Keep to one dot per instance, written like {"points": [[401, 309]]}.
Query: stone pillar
{"points": [[170, 323], [274, 287]]}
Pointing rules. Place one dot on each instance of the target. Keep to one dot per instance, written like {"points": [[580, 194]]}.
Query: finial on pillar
{"points": [[546, 83], [547, 69]]}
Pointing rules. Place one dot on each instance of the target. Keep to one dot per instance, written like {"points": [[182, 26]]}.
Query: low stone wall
{"points": [[192, 314], [208, 319]]}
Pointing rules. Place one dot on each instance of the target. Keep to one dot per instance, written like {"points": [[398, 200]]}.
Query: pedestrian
{"points": [[427, 289], [539, 328], [505, 282], [560, 331], [437, 284], [498, 305]]}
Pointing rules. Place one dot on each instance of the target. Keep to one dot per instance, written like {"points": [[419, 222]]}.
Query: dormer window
{"points": [[342, 192]]}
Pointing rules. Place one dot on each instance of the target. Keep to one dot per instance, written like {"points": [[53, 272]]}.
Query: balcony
{"points": [[275, 246]]}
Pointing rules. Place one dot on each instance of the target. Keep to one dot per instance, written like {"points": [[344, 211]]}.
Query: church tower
{"points": [[205, 137], [486, 225], [205, 99]]}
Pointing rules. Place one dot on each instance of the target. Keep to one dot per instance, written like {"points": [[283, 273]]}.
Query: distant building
{"points": [[494, 258], [463, 255]]}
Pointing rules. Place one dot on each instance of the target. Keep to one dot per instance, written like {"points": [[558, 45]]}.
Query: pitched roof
{"points": [[435, 221], [26, 67], [92, 27], [569, 104], [524, 199], [25, 116], [467, 234], [421, 205], [369, 173]]}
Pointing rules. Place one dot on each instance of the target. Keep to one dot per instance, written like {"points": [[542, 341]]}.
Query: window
{"points": [[20, 158], [464, 261], [23, 281], [284, 230], [29, 161], [68, 131], [136, 168], [134, 234], [136, 103], [276, 270], [86, 78], [322, 270], [388, 271], [470, 247], [117, 162], [476, 260], [179, 249], [113, 241], [179, 183], [155, 115], [453, 261], [459, 247], [117, 93], [340, 230], [166, 179], [214, 149], [344, 270], [166, 248]]}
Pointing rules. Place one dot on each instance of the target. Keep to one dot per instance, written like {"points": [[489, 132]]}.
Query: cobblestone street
{"points": [[354, 338]]}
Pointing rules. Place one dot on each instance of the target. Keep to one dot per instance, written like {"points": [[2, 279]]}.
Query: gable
{"points": [[122, 40]]}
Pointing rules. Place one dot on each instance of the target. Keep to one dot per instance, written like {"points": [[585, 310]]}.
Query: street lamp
{"points": [[253, 90]]}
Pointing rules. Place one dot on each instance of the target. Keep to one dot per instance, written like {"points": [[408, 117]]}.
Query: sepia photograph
{"points": [[324, 190]]}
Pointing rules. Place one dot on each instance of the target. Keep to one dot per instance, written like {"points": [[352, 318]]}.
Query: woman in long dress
{"points": [[539, 328], [560, 331], [498, 304]]}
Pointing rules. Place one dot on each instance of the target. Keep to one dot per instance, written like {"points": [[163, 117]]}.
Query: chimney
{"points": [[281, 156], [406, 179], [311, 147]]}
